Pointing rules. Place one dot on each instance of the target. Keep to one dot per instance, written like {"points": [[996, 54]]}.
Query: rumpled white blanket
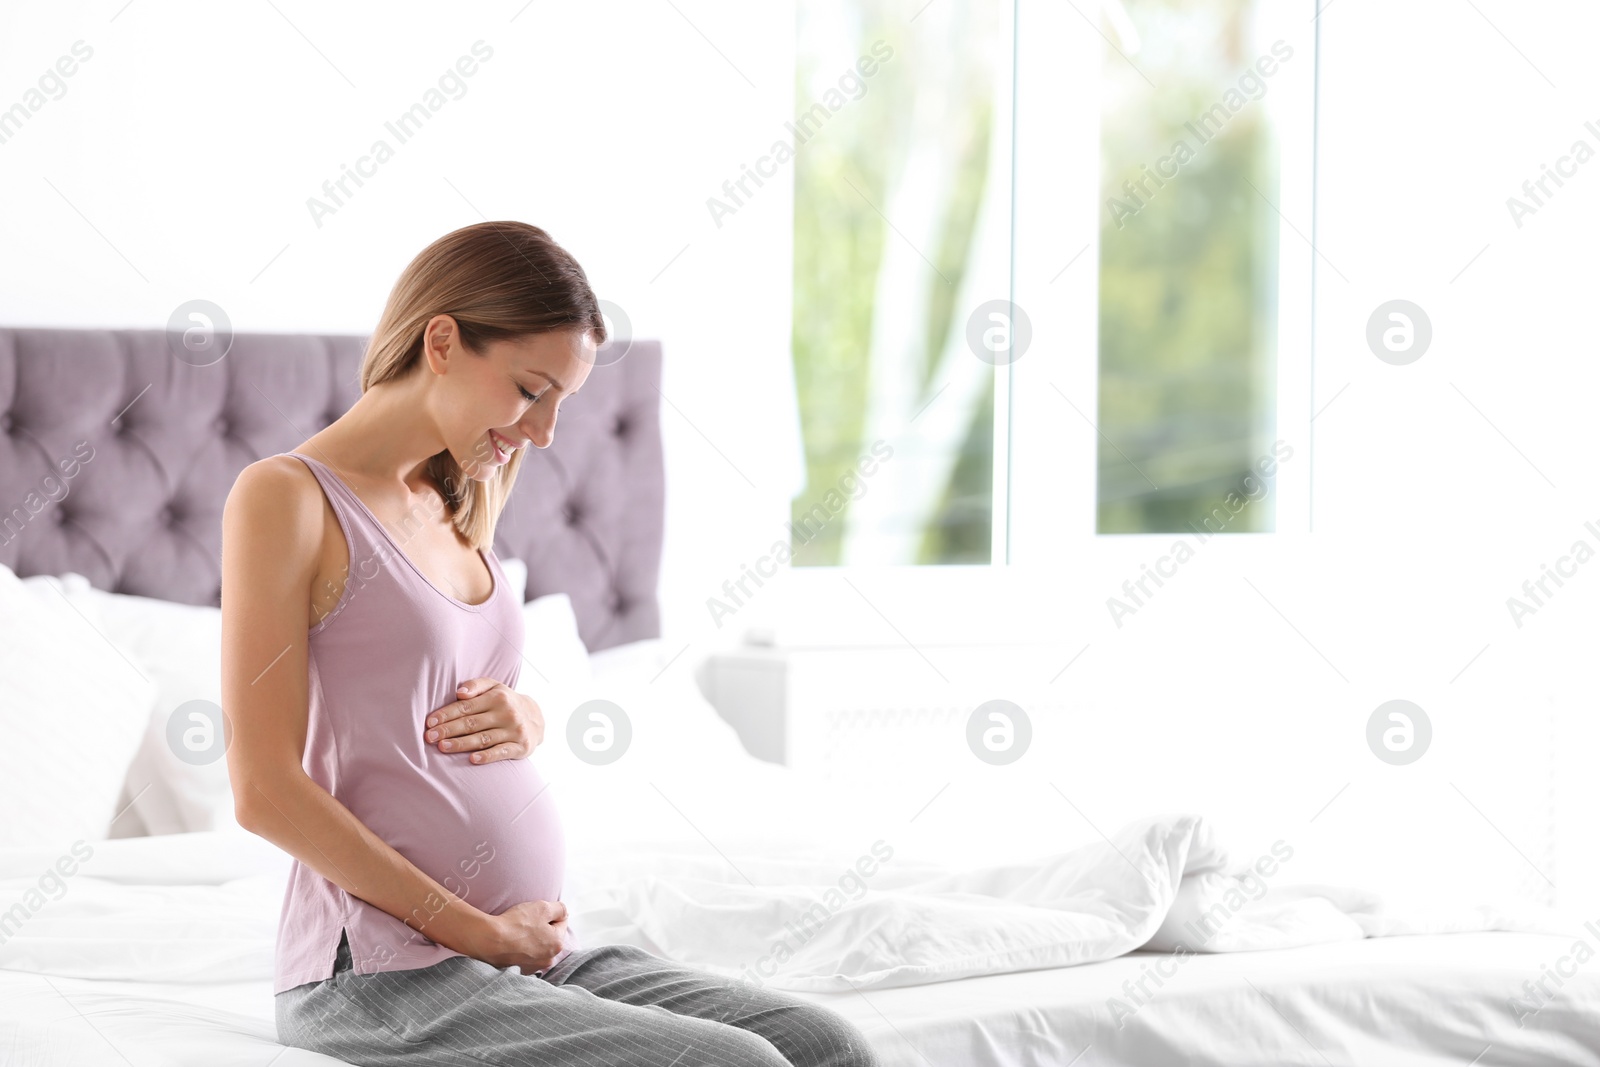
{"points": [[1162, 883]]}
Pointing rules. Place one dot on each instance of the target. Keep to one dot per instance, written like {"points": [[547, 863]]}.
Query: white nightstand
{"points": [[857, 711]]}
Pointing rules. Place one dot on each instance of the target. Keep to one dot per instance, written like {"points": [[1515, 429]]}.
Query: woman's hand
{"points": [[491, 721], [528, 936]]}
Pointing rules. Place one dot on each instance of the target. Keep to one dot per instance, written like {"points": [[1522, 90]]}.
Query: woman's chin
{"points": [[479, 468]]}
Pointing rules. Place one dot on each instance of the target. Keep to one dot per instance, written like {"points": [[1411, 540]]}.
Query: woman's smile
{"points": [[502, 447]]}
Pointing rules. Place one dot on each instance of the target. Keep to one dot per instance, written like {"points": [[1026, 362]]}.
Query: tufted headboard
{"points": [[116, 457]]}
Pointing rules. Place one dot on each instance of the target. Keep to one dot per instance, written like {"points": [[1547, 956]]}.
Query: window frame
{"points": [[1053, 499], [1045, 455]]}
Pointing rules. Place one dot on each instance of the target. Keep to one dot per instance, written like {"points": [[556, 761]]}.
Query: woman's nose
{"points": [[538, 428]]}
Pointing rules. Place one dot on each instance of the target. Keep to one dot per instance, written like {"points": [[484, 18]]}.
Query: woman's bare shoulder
{"points": [[275, 482], [277, 499]]}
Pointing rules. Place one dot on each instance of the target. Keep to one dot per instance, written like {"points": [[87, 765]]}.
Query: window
{"points": [[902, 197], [1188, 281], [1147, 213]]}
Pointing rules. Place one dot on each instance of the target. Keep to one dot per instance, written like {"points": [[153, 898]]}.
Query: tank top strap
{"points": [[359, 524]]}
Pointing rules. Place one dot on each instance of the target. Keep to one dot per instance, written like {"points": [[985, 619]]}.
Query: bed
{"points": [[146, 922]]}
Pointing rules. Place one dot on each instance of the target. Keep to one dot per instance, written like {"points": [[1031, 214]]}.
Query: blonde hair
{"points": [[499, 281]]}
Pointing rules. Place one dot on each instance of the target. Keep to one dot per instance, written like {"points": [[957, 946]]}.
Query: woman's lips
{"points": [[502, 447]]}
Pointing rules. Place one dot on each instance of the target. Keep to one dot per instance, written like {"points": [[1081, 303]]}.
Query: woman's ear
{"points": [[439, 336]]}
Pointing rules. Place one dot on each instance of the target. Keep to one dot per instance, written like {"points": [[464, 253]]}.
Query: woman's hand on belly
{"points": [[491, 722], [528, 936]]}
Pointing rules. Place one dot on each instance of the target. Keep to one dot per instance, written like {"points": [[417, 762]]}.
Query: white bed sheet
{"points": [[159, 950], [1401, 1001], [1386, 1002], [1389, 1002]]}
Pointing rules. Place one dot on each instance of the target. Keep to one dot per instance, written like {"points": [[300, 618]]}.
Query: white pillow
{"points": [[683, 770], [553, 653], [554, 656], [636, 661], [669, 720], [72, 708], [180, 646], [516, 575]]}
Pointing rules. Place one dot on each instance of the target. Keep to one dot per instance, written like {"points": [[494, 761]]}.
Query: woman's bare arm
{"points": [[272, 536]]}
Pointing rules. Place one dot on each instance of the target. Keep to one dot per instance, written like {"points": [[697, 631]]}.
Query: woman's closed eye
{"points": [[527, 395]]}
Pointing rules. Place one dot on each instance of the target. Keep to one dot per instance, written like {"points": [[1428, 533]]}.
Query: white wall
{"points": [[1249, 703], [178, 163], [1456, 477]]}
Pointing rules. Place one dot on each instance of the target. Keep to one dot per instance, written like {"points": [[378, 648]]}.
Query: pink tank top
{"points": [[391, 651]]}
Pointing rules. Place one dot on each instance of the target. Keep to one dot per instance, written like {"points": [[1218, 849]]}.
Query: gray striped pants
{"points": [[609, 1006]]}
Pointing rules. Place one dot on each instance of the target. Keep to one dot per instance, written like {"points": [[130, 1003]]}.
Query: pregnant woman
{"points": [[370, 654]]}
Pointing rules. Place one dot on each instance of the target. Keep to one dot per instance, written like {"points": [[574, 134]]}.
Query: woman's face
{"points": [[489, 414]]}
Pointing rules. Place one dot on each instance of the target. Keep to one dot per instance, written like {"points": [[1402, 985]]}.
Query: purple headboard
{"points": [[116, 457]]}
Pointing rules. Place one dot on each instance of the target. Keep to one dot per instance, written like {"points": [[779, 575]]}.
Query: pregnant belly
{"points": [[490, 834]]}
